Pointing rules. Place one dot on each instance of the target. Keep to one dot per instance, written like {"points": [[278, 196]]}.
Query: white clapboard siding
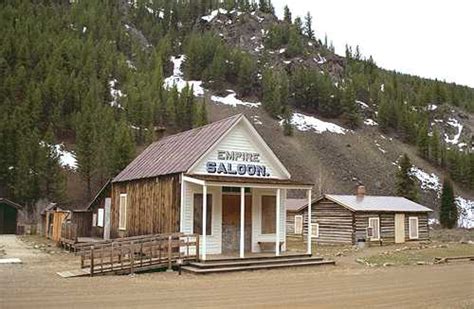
{"points": [[240, 138]]}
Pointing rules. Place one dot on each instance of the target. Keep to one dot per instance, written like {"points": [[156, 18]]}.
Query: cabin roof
{"points": [[10, 203], [176, 153], [294, 204], [377, 203]]}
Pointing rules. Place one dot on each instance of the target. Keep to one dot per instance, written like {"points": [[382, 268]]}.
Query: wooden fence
{"points": [[140, 253], [68, 234]]}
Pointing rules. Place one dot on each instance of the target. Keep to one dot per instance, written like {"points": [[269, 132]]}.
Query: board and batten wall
{"points": [[153, 206], [214, 241]]}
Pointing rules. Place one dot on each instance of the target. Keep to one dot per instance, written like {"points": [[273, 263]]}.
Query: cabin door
{"points": [[231, 223], [399, 228]]}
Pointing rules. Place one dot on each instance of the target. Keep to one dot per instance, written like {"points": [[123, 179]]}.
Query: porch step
{"points": [[301, 263], [271, 256], [250, 262]]}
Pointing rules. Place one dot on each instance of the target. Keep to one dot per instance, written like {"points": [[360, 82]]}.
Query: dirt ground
{"points": [[35, 284]]}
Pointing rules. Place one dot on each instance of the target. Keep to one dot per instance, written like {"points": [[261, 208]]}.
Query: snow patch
{"points": [[115, 93], [362, 104], [213, 14], [231, 100], [455, 124], [432, 107], [433, 221], [382, 87], [309, 123], [66, 158], [282, 50], [427, 181], [466, 212], [178, 80], [370, 122], [320, 60], [256, 120]]}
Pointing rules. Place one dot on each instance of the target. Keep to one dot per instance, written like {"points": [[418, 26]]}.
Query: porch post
{"points": [[310, 229], [242, 221], [277, 234], [204, 222]]}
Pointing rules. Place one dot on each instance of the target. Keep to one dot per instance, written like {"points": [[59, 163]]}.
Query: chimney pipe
{"points": [[360, 191]]}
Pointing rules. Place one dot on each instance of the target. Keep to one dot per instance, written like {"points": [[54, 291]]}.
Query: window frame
{"points": [[94, 220], [262, 232], [302, 223], [209, 213], [417, 227], [100, 215], [124, 214], [378, 231], [314, 230]]}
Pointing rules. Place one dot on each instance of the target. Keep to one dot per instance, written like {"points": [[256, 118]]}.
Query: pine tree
{"points": [[308, 26], [295, 46], [351, 113], [406, 185], [246, 74], [287, 14], [123, 147], [201, 116], [448, 212], [423, 141], [298, 25]]}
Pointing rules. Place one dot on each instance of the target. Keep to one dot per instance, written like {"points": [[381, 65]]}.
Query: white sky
{"points": [[433, 39]]}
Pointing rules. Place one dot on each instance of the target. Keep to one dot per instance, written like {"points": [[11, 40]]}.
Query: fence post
{"points": [[169, 253], [92, 261], [197, 247], [132, 257]]}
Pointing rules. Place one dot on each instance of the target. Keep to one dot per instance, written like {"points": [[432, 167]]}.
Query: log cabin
{"points": [[348, 219], [221, 181], [11, 215]]}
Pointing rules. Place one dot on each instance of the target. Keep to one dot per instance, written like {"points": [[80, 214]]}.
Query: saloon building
{"points": [[221, 181]]}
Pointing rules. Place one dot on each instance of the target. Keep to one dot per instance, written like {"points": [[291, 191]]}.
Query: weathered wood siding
{"points": [[335, 223], [97, 231], [153, 206], [423, 228], [84, 223], [290, 222]]}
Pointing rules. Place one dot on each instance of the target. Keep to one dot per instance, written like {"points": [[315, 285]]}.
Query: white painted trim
{"points": [[316, 225], [124, 226], [204, 221], [277, 234], [310, 234], [258, 186], [242, 222], [302, 224], [181, 205], [378, 224], [417, 228], [194, 180]]}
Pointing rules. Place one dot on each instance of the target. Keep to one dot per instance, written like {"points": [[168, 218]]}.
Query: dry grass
{"points": [[445, 235]]}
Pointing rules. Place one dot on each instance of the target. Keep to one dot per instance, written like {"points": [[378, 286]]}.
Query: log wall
{"points": [[153, 206]]}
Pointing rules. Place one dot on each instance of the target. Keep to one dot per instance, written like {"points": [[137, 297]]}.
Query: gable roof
{"points": [[176, 153], [10, 203], [377, 203], [294, 204]]}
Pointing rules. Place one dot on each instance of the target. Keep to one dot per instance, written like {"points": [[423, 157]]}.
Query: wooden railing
{"points": [[68, 234], [139, 253]]}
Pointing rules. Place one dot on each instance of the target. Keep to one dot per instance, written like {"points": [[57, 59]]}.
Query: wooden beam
{"points": [[277, 234], [204, 222], [242, 221], [310, 228]]}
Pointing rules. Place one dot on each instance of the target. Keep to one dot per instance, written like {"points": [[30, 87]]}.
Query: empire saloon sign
{"points": [[237, 163]]}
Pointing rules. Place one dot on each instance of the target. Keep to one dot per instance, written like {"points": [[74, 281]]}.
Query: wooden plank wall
{"points": [[153, 206], [84, 223], [335, 223], [58, 219], [97, 231], [290, 222]]}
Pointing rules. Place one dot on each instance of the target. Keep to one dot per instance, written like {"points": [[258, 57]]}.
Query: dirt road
{"points": [[35, 284]]}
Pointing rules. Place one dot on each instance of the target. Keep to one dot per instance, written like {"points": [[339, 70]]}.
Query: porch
{"points": [[237, 216]]}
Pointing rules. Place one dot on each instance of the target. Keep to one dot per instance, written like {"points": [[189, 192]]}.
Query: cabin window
{"points": [[94, 220], [123, 211], [315, 230], [413, 227], [268, 214], [100, 217], [374, 226], [198, 214], [298, 224]]}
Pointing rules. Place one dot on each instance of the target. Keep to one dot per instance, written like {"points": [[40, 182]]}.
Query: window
{"points": [[413, 227], [374, 225], [198, 214], [123, 211], [315, 230], [298, 224], [268, 214], [100, 217], [94, 220]]}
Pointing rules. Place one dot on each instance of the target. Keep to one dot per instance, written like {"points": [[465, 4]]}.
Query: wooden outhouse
{"points": [[221, 181], [10, 217], [347, 219]]}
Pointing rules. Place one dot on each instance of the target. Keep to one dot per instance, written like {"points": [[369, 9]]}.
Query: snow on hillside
{"points": [[115, 93], [67, 159], [455, 124], [231, 99], [466, 212], [427, 181], [213, 14], [370, 122], [178, 80], [309, 123]]}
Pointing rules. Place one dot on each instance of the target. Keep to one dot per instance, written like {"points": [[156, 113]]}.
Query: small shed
{"points": [[294, 216], [10, 214], [100, 208], [346, 219]]}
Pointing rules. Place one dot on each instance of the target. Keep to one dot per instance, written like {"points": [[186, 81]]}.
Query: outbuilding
{"points": [[221, 181], [10, 217], [347, 219]]}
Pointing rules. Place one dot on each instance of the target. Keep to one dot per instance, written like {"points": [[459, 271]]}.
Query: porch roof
{"points": [[249, 182]]}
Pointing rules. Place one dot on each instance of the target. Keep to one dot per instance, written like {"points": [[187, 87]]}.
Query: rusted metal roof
{"points": [[176, 153], [296, 204], [377, 203], [250, 180]]}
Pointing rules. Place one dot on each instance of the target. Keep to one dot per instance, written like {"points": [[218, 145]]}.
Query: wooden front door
{"points": [[399, 228], [231, 223]]}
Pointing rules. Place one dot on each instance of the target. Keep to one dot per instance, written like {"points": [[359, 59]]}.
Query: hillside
{"points": [[86, 86]]}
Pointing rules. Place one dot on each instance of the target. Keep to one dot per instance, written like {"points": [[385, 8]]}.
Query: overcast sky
{"points": [[429, 38]]}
